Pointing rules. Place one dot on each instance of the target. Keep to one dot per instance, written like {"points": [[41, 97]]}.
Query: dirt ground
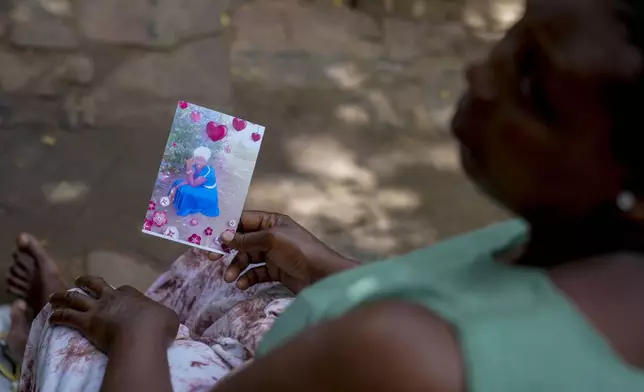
{"points": [[355, 103]]}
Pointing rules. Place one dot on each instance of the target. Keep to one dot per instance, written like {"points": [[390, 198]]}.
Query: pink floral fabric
{"points": [[220, 329]]}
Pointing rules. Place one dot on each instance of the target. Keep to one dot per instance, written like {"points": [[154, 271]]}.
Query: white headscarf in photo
{"points": [[203, 152]]}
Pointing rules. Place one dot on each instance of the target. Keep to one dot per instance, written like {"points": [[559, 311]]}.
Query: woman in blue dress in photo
{"points": [[197, 192]]}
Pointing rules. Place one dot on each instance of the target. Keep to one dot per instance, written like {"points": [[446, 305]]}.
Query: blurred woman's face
{"points": [[200, 162], [532, 126]]}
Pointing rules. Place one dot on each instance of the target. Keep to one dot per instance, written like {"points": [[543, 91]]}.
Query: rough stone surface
{"points": [[285, 25], [404, 39], [80, 110], [57, 7], [35, 26], [17, 71], [121, 270], [5, 9], [195, 71], [149, 23], [198, 72], [77, 68]]}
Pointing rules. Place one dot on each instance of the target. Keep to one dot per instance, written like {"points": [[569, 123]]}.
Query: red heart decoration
{"points": [[183, 104], [256, 136], [239, 124], [216, 132]]}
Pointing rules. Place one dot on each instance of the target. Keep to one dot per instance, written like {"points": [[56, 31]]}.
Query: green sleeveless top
{"points": [[516, 330]]}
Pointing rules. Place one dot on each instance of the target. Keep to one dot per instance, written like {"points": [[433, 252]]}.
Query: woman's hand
{"points": [[292, 255], [109, 314]]}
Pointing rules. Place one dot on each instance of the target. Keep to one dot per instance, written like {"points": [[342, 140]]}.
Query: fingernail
{"points": [[230, 276], [21, 305], [227, 236]]}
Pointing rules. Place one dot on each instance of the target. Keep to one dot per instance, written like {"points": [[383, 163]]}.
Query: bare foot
{"points": [[34, 276], [19, 330]]}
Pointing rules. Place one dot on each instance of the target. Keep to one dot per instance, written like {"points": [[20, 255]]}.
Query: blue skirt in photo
{"points": [[196, 200]]}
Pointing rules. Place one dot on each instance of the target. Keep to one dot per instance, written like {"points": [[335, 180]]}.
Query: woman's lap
{"points": [[192, 200], [221, 327]]}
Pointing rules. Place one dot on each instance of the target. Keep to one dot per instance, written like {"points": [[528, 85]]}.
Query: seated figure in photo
{"points": [[197, 192]]}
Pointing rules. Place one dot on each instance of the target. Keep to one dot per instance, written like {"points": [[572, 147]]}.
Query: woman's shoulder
{"points": [[451, 257]]}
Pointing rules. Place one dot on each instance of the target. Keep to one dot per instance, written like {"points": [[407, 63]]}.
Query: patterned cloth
{"points": [[220, 329]]}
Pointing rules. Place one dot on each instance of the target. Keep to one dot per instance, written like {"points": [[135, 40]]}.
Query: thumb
{"points": [[258, 241]]}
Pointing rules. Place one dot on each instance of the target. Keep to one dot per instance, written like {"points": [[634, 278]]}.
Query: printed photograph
{"points": [[203, 178]]}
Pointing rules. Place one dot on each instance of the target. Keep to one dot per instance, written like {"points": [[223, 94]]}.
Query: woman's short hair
{"points": [[203, 152]]}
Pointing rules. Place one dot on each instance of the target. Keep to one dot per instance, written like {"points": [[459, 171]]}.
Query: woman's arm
{"points": [[190, 175], [138, 361], [384, 347], [194, 182], [133, 330]]}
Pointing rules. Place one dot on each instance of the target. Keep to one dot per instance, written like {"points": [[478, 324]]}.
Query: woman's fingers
{"points": [[259, 241], [93, 285], [252, 221], [70, 318], [252, 277], [239, 263], [257, 221], [215, 256], [72, 300]]}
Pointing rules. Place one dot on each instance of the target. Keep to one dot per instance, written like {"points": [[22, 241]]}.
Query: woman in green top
{"points": [[551, 127]]}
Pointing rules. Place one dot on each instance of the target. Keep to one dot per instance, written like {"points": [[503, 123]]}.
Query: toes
{"points": [[17, 292], [17, 283], [23, 262], [18, 277], [18, 273], [72, 300], [30, 245]]}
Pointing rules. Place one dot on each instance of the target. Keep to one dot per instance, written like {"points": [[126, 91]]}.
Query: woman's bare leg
{"points": [[33, 277], [18, 331]]}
